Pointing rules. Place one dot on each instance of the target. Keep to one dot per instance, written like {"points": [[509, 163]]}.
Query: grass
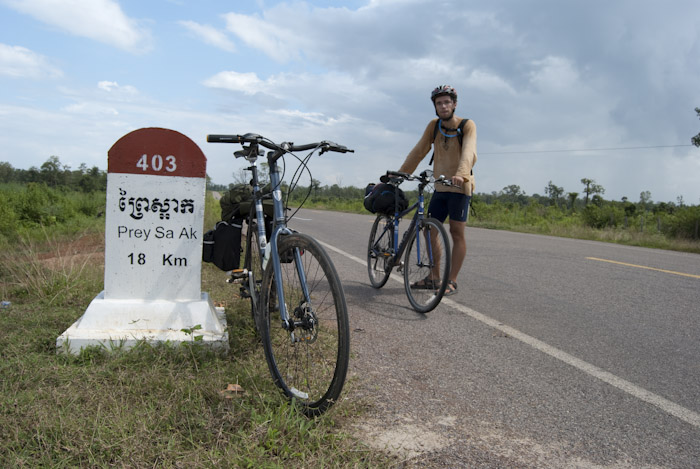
{"points": [[150, 406], [650, 238]]}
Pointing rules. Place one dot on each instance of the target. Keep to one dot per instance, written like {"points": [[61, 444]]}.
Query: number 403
{"points": [[157, 163]]}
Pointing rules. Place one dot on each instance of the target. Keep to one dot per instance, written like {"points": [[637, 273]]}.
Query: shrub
{"points": [[601, 216]]}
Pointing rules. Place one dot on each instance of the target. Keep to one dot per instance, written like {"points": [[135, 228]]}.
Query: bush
{"points": [[24, 207], [685, 223], [602, 216], [8, 217]]}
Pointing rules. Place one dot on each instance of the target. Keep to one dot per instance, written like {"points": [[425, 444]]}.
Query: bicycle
{"points": [[427, 260], [296, 295]]}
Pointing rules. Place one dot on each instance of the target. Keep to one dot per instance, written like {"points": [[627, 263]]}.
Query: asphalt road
{"points": [[554, 353]]}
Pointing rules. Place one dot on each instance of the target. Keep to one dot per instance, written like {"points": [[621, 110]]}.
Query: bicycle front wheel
{"points": [[380, 251], [427, 265], [253, 262], [308, 355]]}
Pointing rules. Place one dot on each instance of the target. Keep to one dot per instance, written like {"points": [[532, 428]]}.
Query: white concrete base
{"points": [[125, 322]]}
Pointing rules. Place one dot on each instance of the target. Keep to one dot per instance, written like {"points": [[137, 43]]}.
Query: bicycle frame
{"points": [[268, 249], [419, 215]]}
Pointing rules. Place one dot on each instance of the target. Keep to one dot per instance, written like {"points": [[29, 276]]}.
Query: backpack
{"points": [[222, 245], [236, 202], [384, 198], [460, 135]]}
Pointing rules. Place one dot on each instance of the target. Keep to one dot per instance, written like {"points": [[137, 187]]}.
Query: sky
{"points": [[559, 90]]}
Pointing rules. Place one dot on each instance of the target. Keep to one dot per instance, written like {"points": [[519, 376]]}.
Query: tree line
{"points": [[55, 174], [511, 205]]}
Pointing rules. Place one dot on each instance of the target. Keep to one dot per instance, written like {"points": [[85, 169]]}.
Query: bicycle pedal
{"points": [[244, 293], [237, 275]]}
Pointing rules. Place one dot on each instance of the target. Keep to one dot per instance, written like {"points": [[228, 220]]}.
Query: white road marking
{"points": [[678, 411]]}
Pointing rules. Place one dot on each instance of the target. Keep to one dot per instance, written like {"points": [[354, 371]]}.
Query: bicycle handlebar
{"points": [[283, 147], [424, 178]]}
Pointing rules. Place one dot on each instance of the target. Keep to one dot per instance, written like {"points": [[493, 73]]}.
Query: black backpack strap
{"points": [[460, 135], [460, 129], [435, 131]]}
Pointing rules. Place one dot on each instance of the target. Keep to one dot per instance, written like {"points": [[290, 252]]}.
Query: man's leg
{"points": [[459, 247]]}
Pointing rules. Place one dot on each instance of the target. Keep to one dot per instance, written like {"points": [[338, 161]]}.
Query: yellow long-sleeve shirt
{"points": [[450, 159]]}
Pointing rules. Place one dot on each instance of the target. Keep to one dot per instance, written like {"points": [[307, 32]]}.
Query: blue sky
{"points": [[559, 91]]}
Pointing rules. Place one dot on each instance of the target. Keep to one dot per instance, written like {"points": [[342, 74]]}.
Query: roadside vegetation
{"points": [[585, 215]]}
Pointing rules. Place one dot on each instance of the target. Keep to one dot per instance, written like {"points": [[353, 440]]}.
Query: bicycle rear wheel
{"points": [[379, 251], [427, 265], [308, 357]]}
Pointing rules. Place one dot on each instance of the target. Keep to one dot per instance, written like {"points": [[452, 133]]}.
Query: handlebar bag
{"points": [[384, 198]]}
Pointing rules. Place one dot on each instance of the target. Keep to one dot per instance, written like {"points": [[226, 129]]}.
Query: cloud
{"points": [[100, 20], [247, 83], [209, 35], [20, 62], [115, 89], [275, 39]]}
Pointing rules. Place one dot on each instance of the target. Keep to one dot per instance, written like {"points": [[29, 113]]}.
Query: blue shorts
{"points": [[453, 204]]}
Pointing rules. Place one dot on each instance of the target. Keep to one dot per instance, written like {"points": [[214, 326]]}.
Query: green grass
{"points": [[549, 222], [150, 406]]}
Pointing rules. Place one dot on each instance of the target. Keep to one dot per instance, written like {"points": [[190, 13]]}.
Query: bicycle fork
{"points": [[302, 317]]}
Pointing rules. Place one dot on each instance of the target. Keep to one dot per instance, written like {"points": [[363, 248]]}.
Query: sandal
{"points": [[451, 288], [426, 284]]}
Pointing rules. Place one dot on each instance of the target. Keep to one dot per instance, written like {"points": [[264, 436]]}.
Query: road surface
{"points": [[554, 353]]}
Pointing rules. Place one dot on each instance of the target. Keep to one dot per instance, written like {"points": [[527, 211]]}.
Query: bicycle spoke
{"points": [[308, 358], [380, 250], [427, 265]]}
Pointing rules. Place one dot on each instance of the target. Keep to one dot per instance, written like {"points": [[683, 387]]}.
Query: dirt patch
{"points": [[406, 440], [71, 253]]}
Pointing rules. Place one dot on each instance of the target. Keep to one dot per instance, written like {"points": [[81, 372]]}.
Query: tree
{"points": [[554, 192], [591, 188], [645, 200], [696, 140], [572, 200], [52, 172], [514, 194], [315, 185], [6, 172]]}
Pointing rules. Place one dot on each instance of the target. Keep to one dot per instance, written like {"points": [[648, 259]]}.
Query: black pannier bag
{"points": [[222, 245], [380, 198]]}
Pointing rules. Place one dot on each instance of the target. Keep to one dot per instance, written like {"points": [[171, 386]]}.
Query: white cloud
{"points": [[115, 89], [93, 109], [247, 83], [556, 74], [100, 20], [209, 35], [20, 62], [275, 40]]}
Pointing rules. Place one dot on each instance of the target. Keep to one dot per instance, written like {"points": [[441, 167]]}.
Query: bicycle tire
{"points": [[419, 267], [310, 362], [380, 250], [253, 263]]}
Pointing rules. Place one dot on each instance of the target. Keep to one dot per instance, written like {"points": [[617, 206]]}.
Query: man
{"points": [[454, 161]]}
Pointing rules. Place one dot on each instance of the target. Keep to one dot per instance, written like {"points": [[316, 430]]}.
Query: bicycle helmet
{"points": [[444, 90]]}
